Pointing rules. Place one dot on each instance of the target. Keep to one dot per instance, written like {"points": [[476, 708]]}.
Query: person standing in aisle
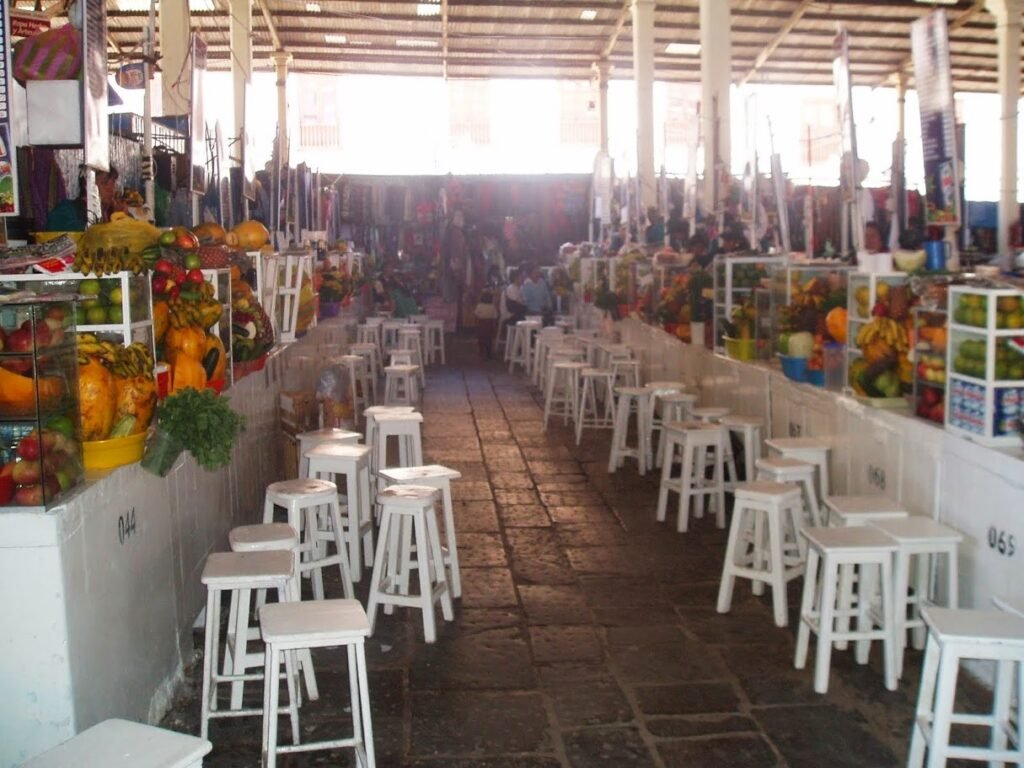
{"points": [[486, 321], [536, 295], [513, 306]]}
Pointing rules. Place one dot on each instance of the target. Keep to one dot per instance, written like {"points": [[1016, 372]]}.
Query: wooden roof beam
{"points": [[444, 39], [271, 27], [774, 43], [619, 24]]}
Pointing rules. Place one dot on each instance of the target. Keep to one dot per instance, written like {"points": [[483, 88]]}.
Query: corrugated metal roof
{"points": [[551, 39]]}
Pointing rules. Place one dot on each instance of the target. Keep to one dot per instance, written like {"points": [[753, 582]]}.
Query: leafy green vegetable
{"points": [[204, 423]]}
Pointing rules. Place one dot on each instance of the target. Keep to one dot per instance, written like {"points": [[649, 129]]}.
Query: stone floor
{"points": [[587, 634]]}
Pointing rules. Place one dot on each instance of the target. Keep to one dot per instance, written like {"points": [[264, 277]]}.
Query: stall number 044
{"points": [[1002, 542], [126, 526]]}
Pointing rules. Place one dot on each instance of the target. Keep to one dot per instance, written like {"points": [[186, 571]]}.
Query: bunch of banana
{"points": [[107, 261], [885, 329], [91, 346], [203, 313], [133, 360]]}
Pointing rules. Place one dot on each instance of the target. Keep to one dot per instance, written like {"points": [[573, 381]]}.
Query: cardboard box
{"points": [[299, 411]]}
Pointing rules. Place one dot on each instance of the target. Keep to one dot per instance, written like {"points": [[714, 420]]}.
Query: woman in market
{"points": [[70, 215]]}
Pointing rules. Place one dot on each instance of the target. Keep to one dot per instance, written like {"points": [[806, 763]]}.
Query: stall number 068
{"points": [[1002, 542]]}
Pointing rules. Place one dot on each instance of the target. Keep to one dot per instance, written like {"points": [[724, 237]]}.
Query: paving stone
{"points": [[700, 725], [628, 615], [567, 673], [665, 662], [741, 751], [464, 723], [473, 490], [592, 534], [481, 550], [487, 762], [643, 634], [595, 702], [487, 588], [511, 480], [504, 463], [823, 735], [586, 516], [550, 568], [505, 497], [724, 629], [687, 699], [546, 604], [475, 516], [621, 747], [572, 499], [524, 516], [575, 481], [486, 658], [565, 643], [451, 456]]}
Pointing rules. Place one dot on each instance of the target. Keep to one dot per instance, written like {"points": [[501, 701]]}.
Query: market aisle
{"points": [[587, 634]]}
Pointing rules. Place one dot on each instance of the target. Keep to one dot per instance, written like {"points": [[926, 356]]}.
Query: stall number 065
{"points": [[1002, 542]]}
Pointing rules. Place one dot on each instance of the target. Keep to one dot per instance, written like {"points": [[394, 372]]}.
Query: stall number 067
{"points": [[1002, 542]]}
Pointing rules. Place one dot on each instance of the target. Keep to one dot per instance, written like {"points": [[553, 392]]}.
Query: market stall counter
{"points": [[930, 471], [100, 593]]}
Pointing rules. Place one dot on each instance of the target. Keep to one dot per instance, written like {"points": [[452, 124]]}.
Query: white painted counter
{"points": [[97, 613], [976, 489]]}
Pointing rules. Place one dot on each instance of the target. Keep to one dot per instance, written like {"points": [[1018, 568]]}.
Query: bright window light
{"points": [[360, 42], [428, 9], [313, 7], [337, 39], [683, 49], [588, 14], [412, 42]]}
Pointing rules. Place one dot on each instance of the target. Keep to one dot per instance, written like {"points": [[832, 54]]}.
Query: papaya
{"points": [[190, 341], [135, 397], [835, 323], [161, 320], [97, 399], [187, 372], [252, 235], [217, 357], [18, 393]]}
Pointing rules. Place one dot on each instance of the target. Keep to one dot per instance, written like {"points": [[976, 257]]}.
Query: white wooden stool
{"points": [[405, 428], [711, 414], [371, 354], [522, 343], [630, 400], [588, 415], [960, 635], [656, 416], [263, 537], [926, 540], [411, 338], [359, 377], [328, 461], [400, 356], [309, 440], [627, 371], [408, 519], [561, 353], [435, 476], [309, 499], [862, 510], [232, 572], [401, 385], [546, 339], [813, 449], [870, 551], [764, 543], [506, 335], [793, 471], [390, 329], [562, 392], [289, 627], [371, 415], [124, 744], [434, 341], [698, 443], [677, 406], [748, 428], [370, 333]]}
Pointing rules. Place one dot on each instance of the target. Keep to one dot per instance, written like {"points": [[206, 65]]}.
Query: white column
{"points": [[643, 76], [603, 69], [175, 67], [240, 41], [715, 77], [1007, 13], [281, 61]]}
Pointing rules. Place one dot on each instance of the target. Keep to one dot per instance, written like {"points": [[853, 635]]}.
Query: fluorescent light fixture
{"points": [[588, 14], [683, 49], [313, 7], [412, 42], [428, 9], [337, 39], [936, 2], [360, 42]]}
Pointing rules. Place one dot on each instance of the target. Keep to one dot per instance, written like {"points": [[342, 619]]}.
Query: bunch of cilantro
{"points": [[203, 423]]}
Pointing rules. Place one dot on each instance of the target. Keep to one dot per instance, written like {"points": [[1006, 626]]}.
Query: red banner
{"points": [[27, 23]]}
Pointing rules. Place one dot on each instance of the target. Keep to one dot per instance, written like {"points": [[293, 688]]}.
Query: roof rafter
{"points": [[774, 43]]}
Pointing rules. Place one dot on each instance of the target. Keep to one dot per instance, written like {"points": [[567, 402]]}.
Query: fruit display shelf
{"points": [[931, 335], [221, 281], [116, 307], [40, 459], [735, 278], [984, 364], [803, 296]]}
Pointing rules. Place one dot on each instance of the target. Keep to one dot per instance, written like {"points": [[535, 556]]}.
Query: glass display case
{"points": [[117, 307], [735, 277], [985, 364], [803, 293], [930, 337], [221, 281], [874, 336], [40, 454]]}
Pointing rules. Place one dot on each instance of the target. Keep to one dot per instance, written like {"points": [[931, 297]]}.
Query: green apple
{"points": [[90, 287], [115, 314], [115, 295], [96, 315]]}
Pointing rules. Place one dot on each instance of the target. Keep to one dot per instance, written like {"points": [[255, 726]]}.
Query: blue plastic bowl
{"points": [[817, 378], [795, 368]]}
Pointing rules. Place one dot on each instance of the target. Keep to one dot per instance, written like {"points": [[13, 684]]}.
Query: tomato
{"points": [[195, 276], [159, 283], [164, 267]]}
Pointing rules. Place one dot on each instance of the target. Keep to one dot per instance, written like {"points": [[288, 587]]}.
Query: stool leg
{"points": [[811, 499], [719, 485], [293, 697], [778, 569], [728, 567], [1001, 689], [922, 589], [378, 574], [405, 555], [549, 393], [618, 435], [826, 623], [449, 532], [271, 684], [900, 594], [942, 718], [803, 635], [365, 516], [888, 610], [241, 635], [210, 644], [925, 703], [364, 698], [432, 549], [846, 597], [426, 588], [865, 594], [685, 488], [666, 480]]}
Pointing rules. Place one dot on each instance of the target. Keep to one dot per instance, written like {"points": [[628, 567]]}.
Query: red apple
{"points": [[175, 291], [20, 340], [163, 267], [195, 276], [7, 470], [159, 283], [29, 448], [6, 489], [179, 275], [55, 312], [185, 240], [29, 496]]}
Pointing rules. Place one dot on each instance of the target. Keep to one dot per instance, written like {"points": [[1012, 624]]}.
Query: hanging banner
{"points": [[781, 202], [849, 179], [96, 139], [197, 121], [8, 156], [929, 37], [28, 23]]}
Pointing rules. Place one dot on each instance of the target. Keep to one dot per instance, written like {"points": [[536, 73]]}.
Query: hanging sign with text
{"points": [[8, 156]]}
